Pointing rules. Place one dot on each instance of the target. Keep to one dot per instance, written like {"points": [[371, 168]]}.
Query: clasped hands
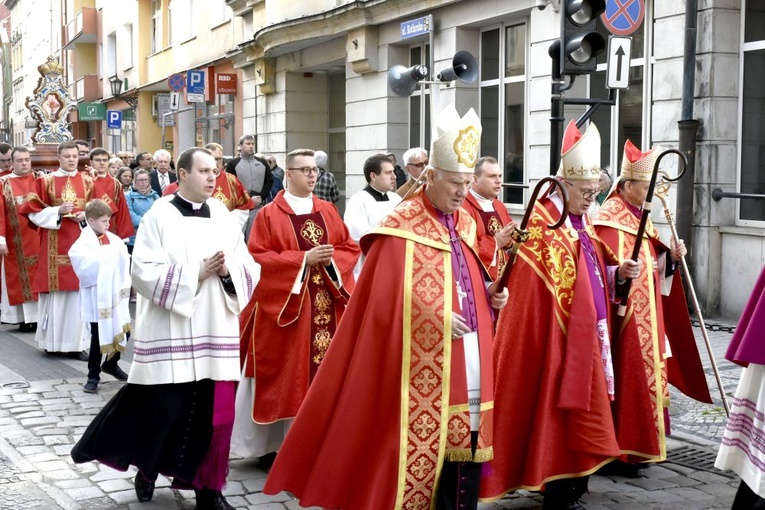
{"points": [[213, 265], [319, 254]]}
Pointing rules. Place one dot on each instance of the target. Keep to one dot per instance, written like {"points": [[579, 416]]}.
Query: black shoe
{"points": [[114, 370], [549, 504], [78, 355], [211, 500], [267, 460], [91, 386], [27, 327], [144, 488], [621, 468]]}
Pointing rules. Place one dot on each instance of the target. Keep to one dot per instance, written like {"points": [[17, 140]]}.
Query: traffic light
{"points": [[581, 43]]}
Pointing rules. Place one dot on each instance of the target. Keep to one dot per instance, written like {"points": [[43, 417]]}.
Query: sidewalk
{"points": [[40, 420]]}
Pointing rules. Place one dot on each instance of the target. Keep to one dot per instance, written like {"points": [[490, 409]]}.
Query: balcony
{"points": [[87, 89], [82, 29]]}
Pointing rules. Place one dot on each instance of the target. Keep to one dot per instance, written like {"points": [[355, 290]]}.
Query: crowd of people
{"points": [[451, 356]]}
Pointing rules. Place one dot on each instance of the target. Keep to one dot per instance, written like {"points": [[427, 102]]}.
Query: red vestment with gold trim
{"points": [[287, 334], [389, 404], [110, 191], [488, 224], [642, 368], [54, 269], [551, 402], [228, 190], [21, 237]]}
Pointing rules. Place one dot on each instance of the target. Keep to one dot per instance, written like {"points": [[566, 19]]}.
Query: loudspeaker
{"points": [[403, 80], [464, 68]]}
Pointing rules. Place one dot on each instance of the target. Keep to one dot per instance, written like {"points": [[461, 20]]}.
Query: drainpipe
{"points": [[688, 128]]}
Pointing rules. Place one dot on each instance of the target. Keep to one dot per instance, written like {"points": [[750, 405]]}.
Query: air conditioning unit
{"points": [[154, 105]]}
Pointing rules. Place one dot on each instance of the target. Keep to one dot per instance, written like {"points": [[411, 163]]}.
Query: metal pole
{"points": [[556, 108], [688, 127], [696, 307]]}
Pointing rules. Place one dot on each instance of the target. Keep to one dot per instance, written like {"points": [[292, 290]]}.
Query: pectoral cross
{"points": [[461, 294]]}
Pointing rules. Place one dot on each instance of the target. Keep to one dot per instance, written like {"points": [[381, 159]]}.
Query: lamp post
{"points": [[116, 85]]}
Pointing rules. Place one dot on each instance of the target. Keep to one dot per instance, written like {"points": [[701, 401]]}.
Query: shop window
{"points": [[215, 123]]}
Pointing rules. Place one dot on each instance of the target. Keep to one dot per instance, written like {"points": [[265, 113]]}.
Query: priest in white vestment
{"points": [[193, 275], [367, 207]]}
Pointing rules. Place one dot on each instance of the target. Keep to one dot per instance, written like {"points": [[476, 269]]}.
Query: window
{"points": [[111, 55], [419, 113], [127, 47], [156, 25], [752, 103], [218, 13], [215, 123], [503, 102]]}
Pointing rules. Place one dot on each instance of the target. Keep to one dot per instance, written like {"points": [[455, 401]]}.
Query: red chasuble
{"points": [[488, 224], [110, 191], [639, 354], [54, 269], [21, 237], [553, 415], [228, 190], [286, 335], [389, 404]]}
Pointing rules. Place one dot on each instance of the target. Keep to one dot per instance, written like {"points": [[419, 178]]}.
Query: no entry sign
{"points": [[623, 17]]}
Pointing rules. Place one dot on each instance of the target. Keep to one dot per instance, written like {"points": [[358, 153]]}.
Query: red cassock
{"points": [[553, 415], [21, 237], [286, 335], [389, 404], [110, 191], [641, 367], [54, 269], [488, 224]]}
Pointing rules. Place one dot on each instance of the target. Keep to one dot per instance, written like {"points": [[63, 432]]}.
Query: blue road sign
{"points": [[114, 119], [195, 86], [623, 17], [415, 27]]}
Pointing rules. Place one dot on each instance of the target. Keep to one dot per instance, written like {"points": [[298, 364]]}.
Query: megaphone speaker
{"points": [[403, 80], [464, 68]]}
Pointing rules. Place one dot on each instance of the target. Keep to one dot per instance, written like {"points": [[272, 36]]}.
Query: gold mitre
{"points": [[637, 165], [580, 154], [458, 139]]}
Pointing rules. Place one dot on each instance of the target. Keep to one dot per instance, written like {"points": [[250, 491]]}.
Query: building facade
{"points": [[315, 75]]}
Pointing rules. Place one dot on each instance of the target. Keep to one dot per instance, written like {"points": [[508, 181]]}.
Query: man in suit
{"points": [[161, 176]]}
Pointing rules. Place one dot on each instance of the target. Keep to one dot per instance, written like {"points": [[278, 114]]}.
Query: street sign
{"points": [[91, 111], [176, 82], [163, 102], [618, 66], [623, 17], [114, 119], [175, 100], [195, 86], [415, 27]]}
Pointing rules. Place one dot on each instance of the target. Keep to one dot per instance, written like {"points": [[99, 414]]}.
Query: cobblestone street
{"points": [[41, 419]]}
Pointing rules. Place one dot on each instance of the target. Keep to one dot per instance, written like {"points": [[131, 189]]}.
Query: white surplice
{"points": [[362, 212], [187, 330]]}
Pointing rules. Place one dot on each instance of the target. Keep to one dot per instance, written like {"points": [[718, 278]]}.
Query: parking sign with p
{"points": [[195, 86], [114, 119]]}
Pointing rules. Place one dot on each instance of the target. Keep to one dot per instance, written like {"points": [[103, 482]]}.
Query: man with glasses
{"points": [[553, 423], [656, 344], [416, 159], [6, 162], [401, 409], [19, 245], [161, 177], [110, 191], [307, 257], [127, 157]]}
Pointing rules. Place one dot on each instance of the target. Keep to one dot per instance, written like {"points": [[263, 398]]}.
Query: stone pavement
{"points": [[41, 417]]}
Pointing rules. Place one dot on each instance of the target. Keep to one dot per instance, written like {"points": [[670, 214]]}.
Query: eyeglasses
{"points": [[306, 170], [418, 165], [588, 194]]}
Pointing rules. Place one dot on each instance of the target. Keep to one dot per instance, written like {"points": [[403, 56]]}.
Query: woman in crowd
{"points": [[115, 164], [139, 200], [125, 178]]}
